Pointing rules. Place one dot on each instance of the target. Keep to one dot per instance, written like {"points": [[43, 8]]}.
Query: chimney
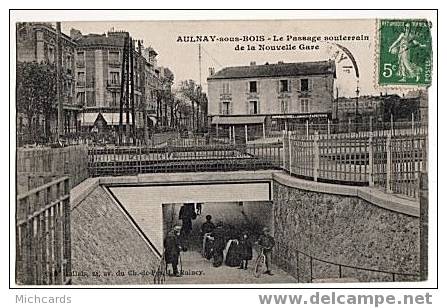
{"points": [[280, 62], [252, 63], [211, 71], [75, 34]]}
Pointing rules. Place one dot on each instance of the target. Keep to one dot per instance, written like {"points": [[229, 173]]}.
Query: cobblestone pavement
{"points": [[198, 270]]}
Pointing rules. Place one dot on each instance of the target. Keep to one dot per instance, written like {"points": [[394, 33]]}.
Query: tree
{"points": [[193, 92], [36, 95]]}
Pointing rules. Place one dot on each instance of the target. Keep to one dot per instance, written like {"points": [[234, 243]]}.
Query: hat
{"points": [[266, 229], [177, 228]]}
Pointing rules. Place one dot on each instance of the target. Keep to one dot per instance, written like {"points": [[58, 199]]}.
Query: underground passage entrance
{"points": [[155, 210]]}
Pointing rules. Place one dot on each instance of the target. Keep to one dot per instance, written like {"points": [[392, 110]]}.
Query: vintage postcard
{"points": [[196, 152]]}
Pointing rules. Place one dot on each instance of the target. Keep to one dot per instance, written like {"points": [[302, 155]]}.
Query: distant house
{"points": [[269, 95]]}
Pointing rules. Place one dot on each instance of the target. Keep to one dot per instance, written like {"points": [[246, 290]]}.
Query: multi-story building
{"points": [[98, 69], [92, 68], [271, 94], [36, 42]]}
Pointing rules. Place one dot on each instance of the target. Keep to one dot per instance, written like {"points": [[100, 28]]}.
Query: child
{"points": [[245, 250]]}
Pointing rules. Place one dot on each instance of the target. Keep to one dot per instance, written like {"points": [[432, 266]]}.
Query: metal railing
{"points": [[341, 270], [112, 161], [43, 240]]}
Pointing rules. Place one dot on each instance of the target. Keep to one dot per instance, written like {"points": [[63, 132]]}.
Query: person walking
{"points": [[172, 250], [267, 242]]}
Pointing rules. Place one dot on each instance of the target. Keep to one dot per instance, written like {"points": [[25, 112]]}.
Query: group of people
{"points": [[225, 245], [221, 244]]}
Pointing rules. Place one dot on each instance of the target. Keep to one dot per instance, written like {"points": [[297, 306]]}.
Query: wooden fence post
{"points": [[284, 150], [316, 156], [388, 163], [290, 152]]}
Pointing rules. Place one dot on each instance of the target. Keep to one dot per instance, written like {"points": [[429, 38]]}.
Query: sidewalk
{"points": [[198, 270]]}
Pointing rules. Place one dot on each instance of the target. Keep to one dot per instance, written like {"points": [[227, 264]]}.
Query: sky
{"points": [[183, 57]]}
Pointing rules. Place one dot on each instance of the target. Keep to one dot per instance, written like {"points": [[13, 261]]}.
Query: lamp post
{"points": [[357, 92]]}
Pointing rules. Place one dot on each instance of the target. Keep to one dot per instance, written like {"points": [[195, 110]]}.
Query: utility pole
{"points": [[132, 91], [357, 92], [143, 103], [200, 87], [127, 91], [123, 89], [60, 106]]}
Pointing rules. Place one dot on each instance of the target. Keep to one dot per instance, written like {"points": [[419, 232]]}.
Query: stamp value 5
{"points": [[405, 54]]}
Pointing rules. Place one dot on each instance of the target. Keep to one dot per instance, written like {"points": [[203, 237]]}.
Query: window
{"points": [[114, 78], [81, 79], [91, 99], [68, 62], [50, 54], [284, 106], [69, 88], [304, 85], [226, 108], [115, 99], [226, 88], [284, 86], [80, 59], [114, 57], [80, 98], [253, 87], [253, 107], [304, 105]]}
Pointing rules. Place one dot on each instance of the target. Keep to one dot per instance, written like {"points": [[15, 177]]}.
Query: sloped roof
{"points": [[276, 70], [100, 40]]}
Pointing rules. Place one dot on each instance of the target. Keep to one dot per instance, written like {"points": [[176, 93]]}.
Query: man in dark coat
{"points": [[186, 215], [172, 249], [266, 241]]}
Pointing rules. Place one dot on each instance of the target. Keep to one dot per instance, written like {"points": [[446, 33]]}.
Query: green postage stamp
{"points": [[405, 54]]}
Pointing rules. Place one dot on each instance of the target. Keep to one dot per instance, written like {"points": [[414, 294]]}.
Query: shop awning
{"points": [[113, 118], [238, 120], [88, 119]]}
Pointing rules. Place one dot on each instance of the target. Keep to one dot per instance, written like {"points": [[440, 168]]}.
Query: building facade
{"points": [[271, 95], [92, 67], [36, 42]]}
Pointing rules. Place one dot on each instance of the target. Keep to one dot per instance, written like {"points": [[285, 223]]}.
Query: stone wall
{"points": [[104, 240], [343, 230]]}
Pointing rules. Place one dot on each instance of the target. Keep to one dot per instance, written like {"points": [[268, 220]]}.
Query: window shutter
{"points": [[259, 107], [220, 107], [258, 86], [248, 87], [310, 84], [289, 86], [230, 111], [247, 105]]}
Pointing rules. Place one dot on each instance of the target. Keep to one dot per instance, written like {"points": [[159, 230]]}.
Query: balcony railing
{"points": [[114, 63], [113, 83]]}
